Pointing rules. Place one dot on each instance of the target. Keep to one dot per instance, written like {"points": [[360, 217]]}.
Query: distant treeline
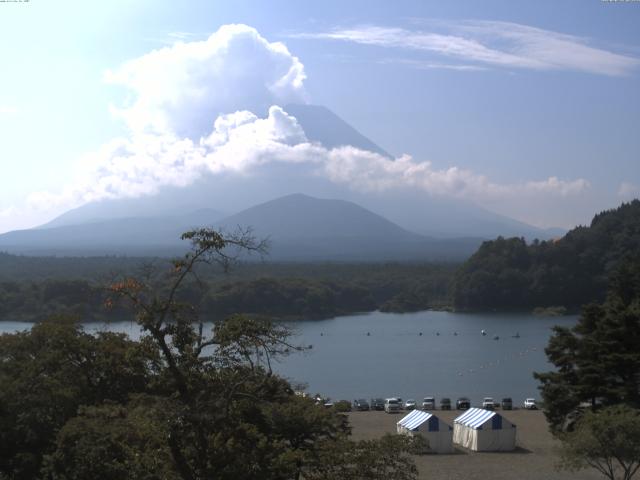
{"points": [[569, 272], [502, 274], [290, 291]]}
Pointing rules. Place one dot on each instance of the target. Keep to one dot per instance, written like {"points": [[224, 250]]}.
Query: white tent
{"points": [[431, 428], [484, 430]]}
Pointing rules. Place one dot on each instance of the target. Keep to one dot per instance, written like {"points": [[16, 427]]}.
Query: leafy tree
{"points": [[608, 441], [598, 360], [112, 442], [388, 457], [229, 415], [180, 404], [47, 373]]}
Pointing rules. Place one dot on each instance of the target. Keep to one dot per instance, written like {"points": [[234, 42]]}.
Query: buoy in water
{"points": [[368, 334], [437, 334], [483, 332], [420, 334]]}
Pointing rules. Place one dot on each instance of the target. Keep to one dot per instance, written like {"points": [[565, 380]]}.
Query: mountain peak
{"points": [[322, 125]]}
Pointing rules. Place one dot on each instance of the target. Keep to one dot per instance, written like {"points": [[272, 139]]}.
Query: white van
{"points": [[392, 405]]}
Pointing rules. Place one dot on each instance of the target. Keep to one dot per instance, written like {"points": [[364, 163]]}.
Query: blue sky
{"points": [[513, 93]]}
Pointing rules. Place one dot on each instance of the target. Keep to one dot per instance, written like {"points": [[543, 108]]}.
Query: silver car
{"points": [[429, 403]]}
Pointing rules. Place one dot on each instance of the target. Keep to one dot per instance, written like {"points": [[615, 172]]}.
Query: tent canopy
{"points": [[477, 417], [417, 418], [438, 434]]}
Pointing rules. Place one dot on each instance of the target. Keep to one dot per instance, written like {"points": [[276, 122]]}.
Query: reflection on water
{"points": [[411, 355]]}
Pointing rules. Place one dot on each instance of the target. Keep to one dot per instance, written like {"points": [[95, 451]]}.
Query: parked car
{"points": [[392, 405], [507, 403], [530, 404], [487, 403], [410, 404], [361, 405], [429, 403], [445, 404], [463, 403], [377, 404]]}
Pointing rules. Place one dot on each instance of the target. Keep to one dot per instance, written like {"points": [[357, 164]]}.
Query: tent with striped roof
{"points": [[484, 431], [438, 434]]}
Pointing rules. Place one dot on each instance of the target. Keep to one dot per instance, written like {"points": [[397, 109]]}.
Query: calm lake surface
{"points": [[394, 359]]}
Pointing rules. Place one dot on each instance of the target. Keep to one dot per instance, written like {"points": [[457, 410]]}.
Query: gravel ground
{"points": [[535, 456]]}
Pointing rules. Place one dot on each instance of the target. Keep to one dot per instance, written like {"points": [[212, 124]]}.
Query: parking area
{"points": [[534, 458]]}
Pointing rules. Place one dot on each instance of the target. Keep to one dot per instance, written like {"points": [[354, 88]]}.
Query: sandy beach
{"points": [[535, 457]]}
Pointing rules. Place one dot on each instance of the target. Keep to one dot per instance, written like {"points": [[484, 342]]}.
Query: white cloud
{"points": [[491, 43], [182, 88], [628, 191], [241, 143], [370, 171], [422, 65], [203, 85]]}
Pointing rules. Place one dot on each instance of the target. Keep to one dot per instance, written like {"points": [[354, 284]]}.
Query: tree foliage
{"points": [[182, 403], [48, 373], [598, 360], [571, 271], [608, 441], [286, 291]]}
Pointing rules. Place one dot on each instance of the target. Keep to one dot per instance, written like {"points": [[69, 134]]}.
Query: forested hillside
{"points": [[570, 271], [32, 288]]}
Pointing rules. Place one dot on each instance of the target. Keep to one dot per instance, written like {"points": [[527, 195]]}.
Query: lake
{"points": [[383, 354]]}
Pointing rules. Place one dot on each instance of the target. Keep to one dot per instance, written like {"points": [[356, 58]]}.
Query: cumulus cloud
{"points": [[182, 88], [492, 43], [241, 142], [191, 116]]}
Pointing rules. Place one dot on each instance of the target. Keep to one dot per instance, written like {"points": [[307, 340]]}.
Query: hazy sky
{"points": [[529, 108]]}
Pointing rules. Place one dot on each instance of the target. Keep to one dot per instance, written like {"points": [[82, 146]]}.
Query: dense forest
{"points": [[569, 272], [502, 274], [32, 288]]}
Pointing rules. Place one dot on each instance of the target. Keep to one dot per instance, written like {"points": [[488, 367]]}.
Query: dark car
{"points": [[507, 403], [377, 404], [445, 404], [463, 403], [361, 405]]}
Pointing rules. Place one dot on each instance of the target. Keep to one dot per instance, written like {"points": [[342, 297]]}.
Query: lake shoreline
{"points": [[375, 354], [538, 311]]}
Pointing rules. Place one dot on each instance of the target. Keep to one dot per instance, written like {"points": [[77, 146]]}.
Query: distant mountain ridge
{"points": [[300, 227], [302, 216]]}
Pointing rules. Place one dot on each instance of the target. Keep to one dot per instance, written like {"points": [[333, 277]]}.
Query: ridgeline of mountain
{"points": [[569, 272], [322, 125], [143, 236], [301, 227], [299, 216]]}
